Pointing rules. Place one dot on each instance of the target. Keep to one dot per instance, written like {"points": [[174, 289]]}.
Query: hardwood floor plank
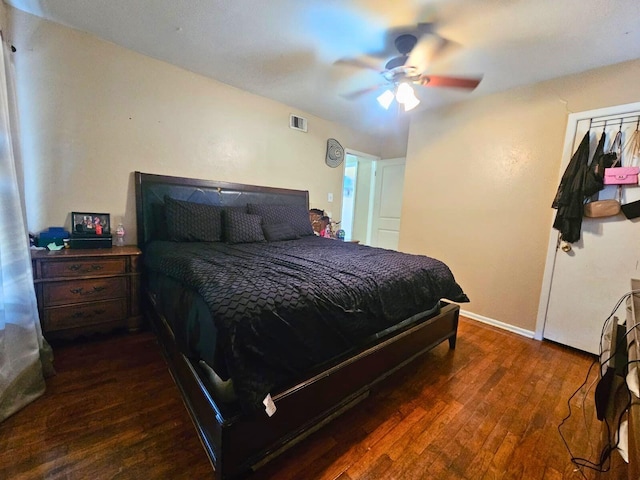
{"points": [[488, 409]]}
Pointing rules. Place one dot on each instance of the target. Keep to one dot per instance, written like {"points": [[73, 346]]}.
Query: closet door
{"points": [[387, 204], [582, 285]]}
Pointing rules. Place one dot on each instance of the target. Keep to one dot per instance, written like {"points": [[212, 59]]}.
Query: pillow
{"points": [[243, 227], [296, 215], [225, 213], [192, 222], [275, 232]]}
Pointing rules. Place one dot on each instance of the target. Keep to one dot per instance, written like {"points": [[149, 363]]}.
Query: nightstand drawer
{"points": [[75, 291], [60, 318], [81, 266]]}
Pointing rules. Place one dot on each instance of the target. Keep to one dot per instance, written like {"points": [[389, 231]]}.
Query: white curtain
{"points": [[21, 341]]}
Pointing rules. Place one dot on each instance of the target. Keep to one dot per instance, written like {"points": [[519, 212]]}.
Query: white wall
{"points": [[91, 113], [480, 178]]}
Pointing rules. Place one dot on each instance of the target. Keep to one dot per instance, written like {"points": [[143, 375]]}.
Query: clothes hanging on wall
{"points": [[594, 177], [570, 196]]}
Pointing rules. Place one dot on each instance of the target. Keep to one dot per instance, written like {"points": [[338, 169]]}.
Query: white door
{"points": [[582, 286], [387, 203]]}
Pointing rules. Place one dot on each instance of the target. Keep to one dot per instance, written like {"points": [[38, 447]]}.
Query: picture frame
{"points": [[87, 223]]}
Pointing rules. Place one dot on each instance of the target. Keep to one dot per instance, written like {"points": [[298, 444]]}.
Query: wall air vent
{"points": [[297, 123]]}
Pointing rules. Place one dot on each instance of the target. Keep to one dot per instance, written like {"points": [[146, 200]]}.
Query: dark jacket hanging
{"points": [[570, 195], [594, 176]]}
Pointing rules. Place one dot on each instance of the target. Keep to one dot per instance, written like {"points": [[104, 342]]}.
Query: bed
{"points": [[268, 330]]}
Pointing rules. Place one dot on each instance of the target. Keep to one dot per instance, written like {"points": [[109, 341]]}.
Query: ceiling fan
{"points": [[407, 70]]}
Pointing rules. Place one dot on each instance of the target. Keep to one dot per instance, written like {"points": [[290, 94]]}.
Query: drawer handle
{"points": [[82, 291], [78, 266], [88, 315]]}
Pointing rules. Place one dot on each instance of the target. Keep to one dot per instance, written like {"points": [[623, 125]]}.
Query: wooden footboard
{"points": [[238, 443]]}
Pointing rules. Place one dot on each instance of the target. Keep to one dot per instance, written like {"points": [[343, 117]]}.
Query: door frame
{"points": [[374, 161], [554, 236]]}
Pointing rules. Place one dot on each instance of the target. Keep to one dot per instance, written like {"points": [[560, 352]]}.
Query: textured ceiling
{"points": [[287, 50]]}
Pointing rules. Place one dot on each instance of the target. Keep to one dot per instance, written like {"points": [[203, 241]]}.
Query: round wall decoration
{"points": [[335, 153]]}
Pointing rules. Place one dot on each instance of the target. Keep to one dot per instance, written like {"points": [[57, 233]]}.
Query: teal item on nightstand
{"points": [[52, 235]]}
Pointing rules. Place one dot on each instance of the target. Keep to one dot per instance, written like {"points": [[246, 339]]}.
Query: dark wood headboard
{"points": [[151, 190]]}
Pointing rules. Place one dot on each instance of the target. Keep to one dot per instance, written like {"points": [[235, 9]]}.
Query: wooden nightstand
{"points": [[87, 291]]}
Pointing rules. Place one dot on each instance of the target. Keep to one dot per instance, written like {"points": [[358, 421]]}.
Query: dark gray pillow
{"points": [[296, 215], [243, 227], [275, 232], [225, 213], [192, 222]]}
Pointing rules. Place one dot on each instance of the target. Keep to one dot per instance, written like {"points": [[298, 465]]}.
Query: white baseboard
{"points": [[498, 324]]}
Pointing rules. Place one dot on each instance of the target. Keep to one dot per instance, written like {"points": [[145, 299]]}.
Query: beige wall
{"points": [[480, 179], [91, 113]]}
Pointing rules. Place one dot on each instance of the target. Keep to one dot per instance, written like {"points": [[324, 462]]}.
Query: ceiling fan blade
{"points": [[429, 46], [365, 63], [446, 81], [359, 93]]}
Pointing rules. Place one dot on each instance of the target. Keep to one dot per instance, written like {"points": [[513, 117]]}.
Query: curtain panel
{"points": [[21, 341]]}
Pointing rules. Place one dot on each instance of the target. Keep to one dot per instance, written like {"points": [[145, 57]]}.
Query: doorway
{"points": [[349, 195], [372, 199], [357, 196]]}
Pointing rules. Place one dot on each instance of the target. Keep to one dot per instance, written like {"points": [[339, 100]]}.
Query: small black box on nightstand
{"points": [[90, 241]]}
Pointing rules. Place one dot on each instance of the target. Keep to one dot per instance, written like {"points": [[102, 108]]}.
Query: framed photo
{"points": [[86, 223]]}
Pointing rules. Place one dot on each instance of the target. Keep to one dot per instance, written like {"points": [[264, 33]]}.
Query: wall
{"points": [[480, 178], [91, 113]]}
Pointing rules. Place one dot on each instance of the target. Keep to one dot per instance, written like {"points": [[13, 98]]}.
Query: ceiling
{"points": [[287, 50]]}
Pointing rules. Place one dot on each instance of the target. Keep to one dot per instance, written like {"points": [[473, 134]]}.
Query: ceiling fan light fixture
{"points": [[385, 99], [411, 103], [407, 97]]}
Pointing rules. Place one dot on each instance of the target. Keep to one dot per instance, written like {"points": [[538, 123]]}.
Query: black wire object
{"points": [[603, 463]]}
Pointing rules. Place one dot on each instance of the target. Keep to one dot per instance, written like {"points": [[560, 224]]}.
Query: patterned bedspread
{"points": [[285, 308]]}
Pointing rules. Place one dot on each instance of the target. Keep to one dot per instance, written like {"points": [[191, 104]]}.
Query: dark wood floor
{"points": [[488, 410]]}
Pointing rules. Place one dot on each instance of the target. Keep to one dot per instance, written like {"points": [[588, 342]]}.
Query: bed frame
{"points": [[236, 442]]}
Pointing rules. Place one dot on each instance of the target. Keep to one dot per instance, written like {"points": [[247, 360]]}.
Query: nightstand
{"points": [[87, 291]]}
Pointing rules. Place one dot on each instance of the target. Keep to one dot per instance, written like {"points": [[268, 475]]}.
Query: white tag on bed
{"points": [[269, 406]]}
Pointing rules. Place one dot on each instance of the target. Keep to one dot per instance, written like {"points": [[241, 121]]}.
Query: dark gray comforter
{"points": [[282, 309]]}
